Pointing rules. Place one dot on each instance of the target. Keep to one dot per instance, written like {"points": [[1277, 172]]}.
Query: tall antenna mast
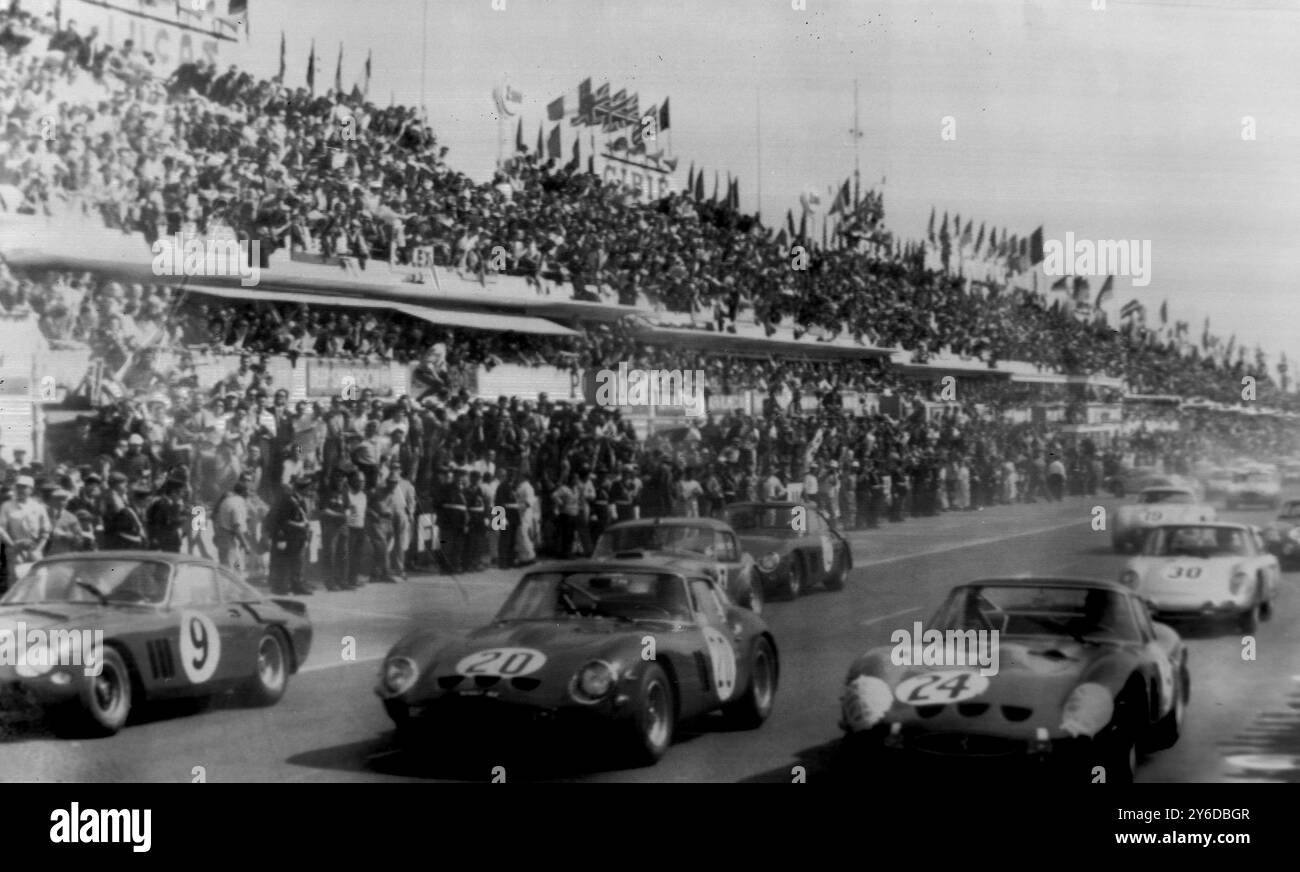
{"points": [[857, 150]]}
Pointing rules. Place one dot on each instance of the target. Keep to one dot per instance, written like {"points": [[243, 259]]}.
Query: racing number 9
{"points": [[198, 643], [200, 646]]}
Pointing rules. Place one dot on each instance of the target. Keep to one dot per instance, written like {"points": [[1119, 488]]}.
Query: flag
{"points": [[575, 163], [956, 227], [519, 137], [699, 186], [966, 234], [782, 238], [311, 69], [586, 106], [690, 179], [555, 109], [280, 76], [600, 105], [714, 198], [539, 138], [366, 91], [338, 72], [591, 158], [943, 229], [1106, 293], [1205, 334], [663, 115], [1082, 293], [1061, 284], [789, 222], [844, 199], [929, 230], [1131, 309], [803, 226], [1036, 247], [1164, 312], [553, 143], [993, 242], [979, 240]]}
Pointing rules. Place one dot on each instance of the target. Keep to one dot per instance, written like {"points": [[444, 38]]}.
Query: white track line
{"points": [[869, 621], [973, 543]]}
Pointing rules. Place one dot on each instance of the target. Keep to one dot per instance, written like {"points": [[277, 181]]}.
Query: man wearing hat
{"points": [[24, 527], [288, 529], [453, 520], [66, 532], [231, 533], [165, 519], [828, 489], [90, 500], [136, 464]]}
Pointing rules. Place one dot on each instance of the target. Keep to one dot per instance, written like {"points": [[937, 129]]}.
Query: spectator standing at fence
{"points": [[403, 522], [1056, 479], [24, 526], [123, 527], [231, 533], [334, 533], [355, 524], [165, 519], [476, 537], [382, 505], [90, 500], [288, 533], [567, 511]]}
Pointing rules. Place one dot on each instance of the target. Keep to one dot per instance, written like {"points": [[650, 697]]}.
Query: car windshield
{"points": [[553, 596], [656, 537], [1040, 610], [1177, 497], [105, 580], [769, 519], [1196, 542]]}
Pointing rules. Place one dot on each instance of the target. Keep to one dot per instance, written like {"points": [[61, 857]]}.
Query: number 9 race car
{"points": [[95, 633], [793, 545], [622, 647], [1156, 505], [1079, 676]]}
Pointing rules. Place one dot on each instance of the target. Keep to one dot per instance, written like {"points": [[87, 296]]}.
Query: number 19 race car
{"points": [[624, 647], [1080, 677], [95, 633], [1156, 505]]}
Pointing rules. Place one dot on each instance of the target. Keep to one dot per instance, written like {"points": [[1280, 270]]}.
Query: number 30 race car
{"points": [[624, 647], [87, 636], [1081, 678]]}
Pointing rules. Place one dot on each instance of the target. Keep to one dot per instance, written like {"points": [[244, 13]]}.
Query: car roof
{"points": [[710, 523], [762, 504], [133, 554], [1047, 581], [1227, 525]]}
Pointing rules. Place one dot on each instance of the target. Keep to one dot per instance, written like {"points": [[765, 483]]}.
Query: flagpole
{"points": [[424, 63], [857, 150], [758, 141]]}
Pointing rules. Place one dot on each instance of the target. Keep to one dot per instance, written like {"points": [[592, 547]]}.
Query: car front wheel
{"points": [[798, 575], [655, 719], [104, 702]]}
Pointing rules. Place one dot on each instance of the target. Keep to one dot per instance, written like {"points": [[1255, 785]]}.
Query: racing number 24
{"points": [[954, 686]]}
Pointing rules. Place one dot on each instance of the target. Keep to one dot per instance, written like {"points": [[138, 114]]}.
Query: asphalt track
{"points": [[1243, 723]]}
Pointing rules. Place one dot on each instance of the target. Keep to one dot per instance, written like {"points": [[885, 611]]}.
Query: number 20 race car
{"points": [[623, 646], [121, 627], [1078, 677]]}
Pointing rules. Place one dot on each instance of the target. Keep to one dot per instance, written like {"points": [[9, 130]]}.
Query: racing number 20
{"points": [[512, 663]]}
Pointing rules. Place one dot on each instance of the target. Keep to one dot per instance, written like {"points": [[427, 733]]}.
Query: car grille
{"points": [[966, 745], [1016, 713], [450, 682]]}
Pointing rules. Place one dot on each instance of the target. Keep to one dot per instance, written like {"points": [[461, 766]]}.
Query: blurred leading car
{"points": [[626, 647], [1085, 678], [1211, 571], [1252, 487], [172, 626], [1156, 505], [707, 539], [1283, 536], [794, 546]]}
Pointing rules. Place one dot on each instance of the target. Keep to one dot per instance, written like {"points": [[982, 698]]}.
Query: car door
{"points": [[717, 655], [213, 636]]}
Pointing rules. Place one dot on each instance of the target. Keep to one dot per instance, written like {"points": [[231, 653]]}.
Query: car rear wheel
{"points": [[655, 719], [1170, 726], [794, 586], [271, 673], [104, 702], [835, 578], [1248, 621], [754, 706]]}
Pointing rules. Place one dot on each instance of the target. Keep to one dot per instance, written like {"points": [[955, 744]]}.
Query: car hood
{"points": [[87, 615], [757, 544]]}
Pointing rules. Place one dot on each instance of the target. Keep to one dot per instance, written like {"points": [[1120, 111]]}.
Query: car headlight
{"points": [[1129, 578], [398, 675], [1238, 581], [1087, 710], [769, 562], [593, 682]]}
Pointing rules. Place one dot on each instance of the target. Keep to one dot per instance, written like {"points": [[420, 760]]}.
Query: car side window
{"points": [[1143, 618], [195, 585], [724, 546], [707, 603], [235, 591]]}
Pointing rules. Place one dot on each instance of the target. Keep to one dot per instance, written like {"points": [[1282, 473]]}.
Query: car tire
{"points": [[753, 707], [1248, 621], [798, 580], [654, 720], [104, 701], [270, 672], [835, 578], [1169, 728]]}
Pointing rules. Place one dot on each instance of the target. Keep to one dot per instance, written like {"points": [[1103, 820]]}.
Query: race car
{"points": [[623, 648], [1082, 678], [1282, 537], [1290, 471], [1212, 571], [707, 539], [1216, 482], [172, 626], [793, 545], [1156, 505], [1130, 480], [1254, 486]]}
